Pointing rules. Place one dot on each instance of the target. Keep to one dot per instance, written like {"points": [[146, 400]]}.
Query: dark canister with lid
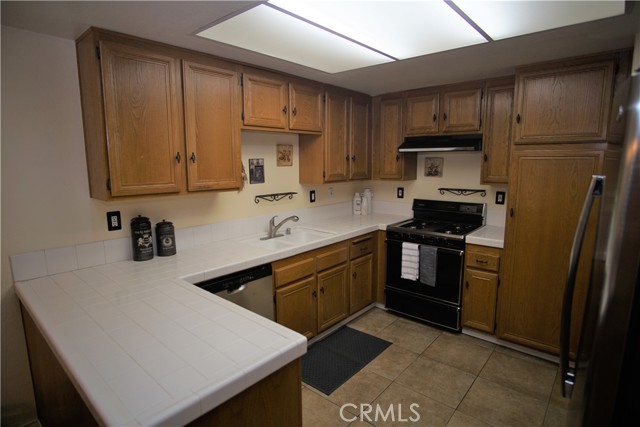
{"points": [[166, 238], [141, 238]]}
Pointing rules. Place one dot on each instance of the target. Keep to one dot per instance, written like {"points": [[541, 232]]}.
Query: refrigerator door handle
{"points": [[596, 188]]}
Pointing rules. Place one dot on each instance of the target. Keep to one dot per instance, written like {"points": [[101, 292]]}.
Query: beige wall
{"points": [[45, 199]]}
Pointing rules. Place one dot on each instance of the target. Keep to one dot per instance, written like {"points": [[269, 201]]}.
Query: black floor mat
{"points": [[335, 359]]}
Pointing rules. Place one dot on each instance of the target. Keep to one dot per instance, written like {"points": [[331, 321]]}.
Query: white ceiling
{"points": [[177, 22]]}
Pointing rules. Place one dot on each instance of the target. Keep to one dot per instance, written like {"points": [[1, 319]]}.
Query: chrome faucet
{"points": [[273, 228]]}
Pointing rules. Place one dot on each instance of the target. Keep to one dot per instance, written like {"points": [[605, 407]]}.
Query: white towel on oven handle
{"points": [[410, 261]]}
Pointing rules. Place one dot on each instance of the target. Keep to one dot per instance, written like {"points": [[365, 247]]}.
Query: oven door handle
{"points": [[458, 252]]}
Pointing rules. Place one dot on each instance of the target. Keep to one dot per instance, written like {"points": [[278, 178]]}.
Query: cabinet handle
{"points": [[353, 158], [294, 111], [315, 294], [397, 157], [444, 117], [322, 290], [466, 284], [480, 261], [518, 118], [193, 157], [435, 117], [486, 158], [178, 157], [511, 212], [620, 113], [347, 158], [354, 275], [284, 109]]}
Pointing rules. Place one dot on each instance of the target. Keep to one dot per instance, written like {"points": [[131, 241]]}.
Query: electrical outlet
{"points": [[500, 197], [400, 192], [312, 196], [113, 221]]}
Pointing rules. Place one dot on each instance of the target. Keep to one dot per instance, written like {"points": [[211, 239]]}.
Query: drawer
{"points": [[284, 273], [332, 257], [484, 258], [361, 246]]}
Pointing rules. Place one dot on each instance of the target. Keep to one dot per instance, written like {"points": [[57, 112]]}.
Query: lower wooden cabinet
{"points": [[480, 291], [317, 289], [296, 306]]}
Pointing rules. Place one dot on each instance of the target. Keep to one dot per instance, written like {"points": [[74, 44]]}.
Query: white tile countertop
{"points": [[146, 347], [488, 235]]}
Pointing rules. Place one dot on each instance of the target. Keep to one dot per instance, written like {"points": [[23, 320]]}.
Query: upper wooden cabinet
{"points": [[450, 109], [496, 139], [142, 119], [135, 116], [212, 131], [388, 135], [569, 101], [273, 102], [343, 151]]}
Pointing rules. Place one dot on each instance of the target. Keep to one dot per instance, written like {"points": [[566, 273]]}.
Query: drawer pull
{"points": [[482, 261]]}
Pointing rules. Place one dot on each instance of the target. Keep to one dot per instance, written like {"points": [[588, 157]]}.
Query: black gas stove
{"points": [[425, 260], [439, 223]]}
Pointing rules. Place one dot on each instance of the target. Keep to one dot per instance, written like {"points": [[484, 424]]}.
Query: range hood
{"points": [[467, 142]]}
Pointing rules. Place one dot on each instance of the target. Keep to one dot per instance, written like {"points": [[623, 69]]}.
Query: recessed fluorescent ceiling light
{"points": [[335, 36], [271, 32], [504, 19]]}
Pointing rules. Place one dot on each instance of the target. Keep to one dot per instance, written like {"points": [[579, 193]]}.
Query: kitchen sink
{"points": [[298, 236]]}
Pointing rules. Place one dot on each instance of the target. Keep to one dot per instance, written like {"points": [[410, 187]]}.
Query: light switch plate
{"points": [[312, 196]]}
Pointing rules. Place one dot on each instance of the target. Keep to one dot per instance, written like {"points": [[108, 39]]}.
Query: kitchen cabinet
{"points": [[480, 291], [270, 101], [361, 267], [343, 151], [547, 187], [135, 116], [211, 127], [564, 102], [388, 135], [496, 139], [311, 289], [449, 109]]}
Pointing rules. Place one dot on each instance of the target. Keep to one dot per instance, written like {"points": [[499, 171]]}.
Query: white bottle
{"points": [[357, 204], [366, 209], [368, 195]]}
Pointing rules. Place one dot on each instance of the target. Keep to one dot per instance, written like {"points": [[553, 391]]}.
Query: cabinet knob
{"points": [[178, 157], [511, 212], [347, 158], [354, 274], [294, 111], [284, 109], [518, 118], [444, 117], [466, 284], [486, 158], [435, 117], [397, 157], [353, 158], [193, 157], [315, 294], [322, 290]]}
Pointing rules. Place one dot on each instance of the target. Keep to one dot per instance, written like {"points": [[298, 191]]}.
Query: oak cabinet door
{"points": [[212, 127], [479, 300], [296, 306], [461, 111], [566, 104], [388, 162], [333, 296], [265, 100], [360, 289], [337, 137], [360, 166], [305, 107], [143, 119], [497, 135], [547, 191], [422, 114]]}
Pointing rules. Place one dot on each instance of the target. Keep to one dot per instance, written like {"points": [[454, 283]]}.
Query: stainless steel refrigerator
{"points": [[603, 382]]}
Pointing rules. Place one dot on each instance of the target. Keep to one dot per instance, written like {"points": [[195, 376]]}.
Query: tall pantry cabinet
{"points": [[561, 137]]}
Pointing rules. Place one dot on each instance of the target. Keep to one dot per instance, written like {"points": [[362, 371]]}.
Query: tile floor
{"points": [[456, 380]]}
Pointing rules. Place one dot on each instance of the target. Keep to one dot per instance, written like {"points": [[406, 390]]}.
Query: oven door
{"points": [[449, 272]]}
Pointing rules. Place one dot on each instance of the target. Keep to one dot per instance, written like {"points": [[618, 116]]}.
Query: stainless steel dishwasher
{"points": [[251, 289]]}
